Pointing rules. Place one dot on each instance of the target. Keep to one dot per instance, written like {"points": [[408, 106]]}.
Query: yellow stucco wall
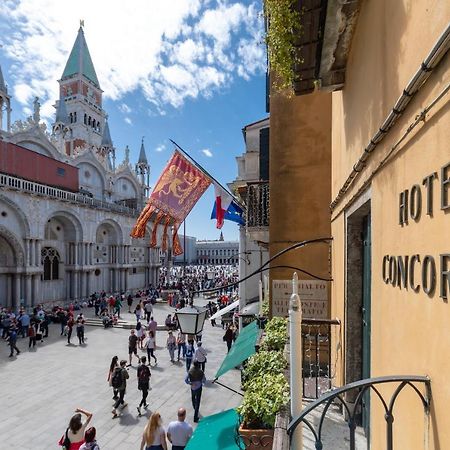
{"points": [[300, 187], [410, 331]]}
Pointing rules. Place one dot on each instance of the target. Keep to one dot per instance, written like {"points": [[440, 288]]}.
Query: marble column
{"points": [[28, 251], [68, 280], [75, 284], [38, 252], [32, 252], [36, 293], [88, 284], [28, 291], [17, 293], [75, 253]]}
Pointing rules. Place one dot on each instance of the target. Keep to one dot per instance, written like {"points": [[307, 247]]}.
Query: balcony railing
{"points": [[352, 409], [258, 204], [30, 187]]}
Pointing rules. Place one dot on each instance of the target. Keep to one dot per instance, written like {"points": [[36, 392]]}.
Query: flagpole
{"points": [[207, 173]]}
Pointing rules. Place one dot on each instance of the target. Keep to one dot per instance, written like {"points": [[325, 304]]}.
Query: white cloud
{"points": [[207, 152], [168, 50], [160, 148], [128, 121], [125, 108]]}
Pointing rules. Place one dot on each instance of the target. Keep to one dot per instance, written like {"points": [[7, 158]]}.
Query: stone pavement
{"points": [[40, 389]]}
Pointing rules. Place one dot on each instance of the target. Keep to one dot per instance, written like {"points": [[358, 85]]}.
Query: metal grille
{"points": [[258, 205]]}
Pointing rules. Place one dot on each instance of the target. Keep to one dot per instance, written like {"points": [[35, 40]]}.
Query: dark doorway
{"points": [[358, 305]]}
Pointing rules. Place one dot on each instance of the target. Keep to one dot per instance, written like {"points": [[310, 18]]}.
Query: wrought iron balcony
{"points": [[352, 409], [258, 205]]}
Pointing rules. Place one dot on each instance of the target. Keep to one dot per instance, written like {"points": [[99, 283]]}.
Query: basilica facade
{"points": [[66, 209]]}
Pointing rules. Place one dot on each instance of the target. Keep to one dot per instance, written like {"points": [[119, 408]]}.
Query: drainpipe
{"points": [[421, 76], [295, 360]]}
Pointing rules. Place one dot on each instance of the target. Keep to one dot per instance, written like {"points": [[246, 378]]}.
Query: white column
{"points": [[32, 252], [75, 253], [75, 284], [27, 250], [88, 284], [38, 252], [295, 336]]}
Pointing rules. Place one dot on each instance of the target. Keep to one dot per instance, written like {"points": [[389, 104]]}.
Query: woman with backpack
{"points": [[112, 367], [143, 376]]}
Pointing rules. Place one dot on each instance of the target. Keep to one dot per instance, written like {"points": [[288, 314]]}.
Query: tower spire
{"points": [[5, 103], [61, 112]]}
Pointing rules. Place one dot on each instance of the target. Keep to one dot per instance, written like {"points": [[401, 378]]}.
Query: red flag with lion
{"points": [[177, 191]]}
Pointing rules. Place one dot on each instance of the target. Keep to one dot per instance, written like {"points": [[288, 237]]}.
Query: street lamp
{"points": [[191, 319]]}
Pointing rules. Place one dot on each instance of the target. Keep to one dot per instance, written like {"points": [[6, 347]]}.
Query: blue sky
{"points": [[188, 70]]}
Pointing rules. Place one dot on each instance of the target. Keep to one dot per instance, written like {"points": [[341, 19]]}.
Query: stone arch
{"points": [[19, 212], [73, 228], [34, 140], [109, 232], [14, 242]]}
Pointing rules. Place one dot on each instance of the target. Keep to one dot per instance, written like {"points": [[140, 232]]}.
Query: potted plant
{"points": [[263, 362], [264, 397], [275, 334]]}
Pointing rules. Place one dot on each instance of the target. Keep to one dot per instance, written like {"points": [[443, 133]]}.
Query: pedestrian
{"points": [[112, 367], [152, 326], [228, 336], [181, 342], [150, 345], [32, 335], [111, 304], [189, 354], [200, 355], [12, 340], [154, 437], [62, 317], [171, 346], [140, 334], [80, 329], [179, 431], [39, 336], [70, 324], [119, 382], [143, 375], [196, 378], [24, 323], [73, 437], [118, 306], [132, 346], [129, 302], [138, 312], [148, 310], [90, 442]]}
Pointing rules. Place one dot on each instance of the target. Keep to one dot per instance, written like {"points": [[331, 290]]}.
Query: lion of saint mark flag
{"points": [[177, 191]]}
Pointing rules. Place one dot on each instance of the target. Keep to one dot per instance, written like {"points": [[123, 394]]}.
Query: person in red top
{"points": [[112, 304]]}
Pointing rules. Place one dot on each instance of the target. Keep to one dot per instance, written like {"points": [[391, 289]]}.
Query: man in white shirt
{"points": [[200, 355], [148, 310], [179, 432]]}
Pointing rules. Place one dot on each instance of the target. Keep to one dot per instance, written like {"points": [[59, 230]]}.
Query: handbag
{"points": [[65, 441]]}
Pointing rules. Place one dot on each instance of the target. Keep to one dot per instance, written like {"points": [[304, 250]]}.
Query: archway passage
{"points": [[8, 272]]}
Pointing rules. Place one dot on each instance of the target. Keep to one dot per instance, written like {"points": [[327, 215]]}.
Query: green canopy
{"points": [[243, 348], [216, 432]]}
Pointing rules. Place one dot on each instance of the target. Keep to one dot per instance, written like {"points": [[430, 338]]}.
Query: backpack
{"points": [[117, 378], [143, 374]]}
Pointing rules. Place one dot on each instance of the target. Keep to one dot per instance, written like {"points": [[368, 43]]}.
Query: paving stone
{"points": [[41, 388]]}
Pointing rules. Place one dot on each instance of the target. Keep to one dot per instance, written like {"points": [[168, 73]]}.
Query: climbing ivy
{"points": [[283, 23]]}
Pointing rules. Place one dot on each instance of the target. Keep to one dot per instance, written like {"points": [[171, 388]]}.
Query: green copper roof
{"points": [[80, 60]]}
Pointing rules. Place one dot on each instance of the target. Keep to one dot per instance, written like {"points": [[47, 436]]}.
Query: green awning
{"points": [[243, 348], [216, 432]]}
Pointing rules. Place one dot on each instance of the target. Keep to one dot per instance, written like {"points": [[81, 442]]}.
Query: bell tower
{"points": [[5, 104], [80, 91]]}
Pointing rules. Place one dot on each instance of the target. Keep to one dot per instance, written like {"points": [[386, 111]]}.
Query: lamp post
{"points": [[191, 319], [295, 360]]}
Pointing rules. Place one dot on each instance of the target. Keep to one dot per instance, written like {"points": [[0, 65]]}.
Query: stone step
{"points": [[97, 322]]}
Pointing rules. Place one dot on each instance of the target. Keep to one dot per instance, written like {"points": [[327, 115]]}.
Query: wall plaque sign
{"points": [[313, 295]]}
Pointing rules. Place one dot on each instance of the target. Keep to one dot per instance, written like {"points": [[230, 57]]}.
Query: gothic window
{"points": [[50, 260], [89, 121], [85, 119], [75, 117], [71, 118]]}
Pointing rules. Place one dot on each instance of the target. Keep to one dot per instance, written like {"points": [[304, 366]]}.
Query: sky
{"points": [[188, 70]]}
